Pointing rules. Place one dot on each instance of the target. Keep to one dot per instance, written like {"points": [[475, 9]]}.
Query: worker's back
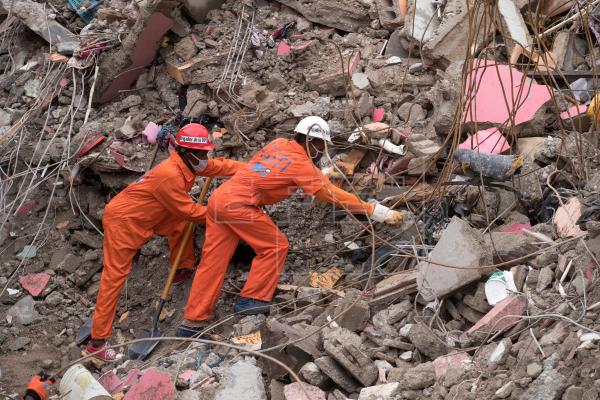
{"points": [[273, 174], [140, 203]]}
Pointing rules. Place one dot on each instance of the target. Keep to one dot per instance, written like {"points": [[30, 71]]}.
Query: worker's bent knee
{"points": [[282, 243]]}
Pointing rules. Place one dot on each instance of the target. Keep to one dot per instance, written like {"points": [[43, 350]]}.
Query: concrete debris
{"points": [[242, 380], [349, 16], [337, 374], [388, 391], [23, 311], [478, 117], [352, 359], [303, 391], [459, 246]]}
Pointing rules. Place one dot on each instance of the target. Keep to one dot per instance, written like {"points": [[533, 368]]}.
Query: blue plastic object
{"points": [[86, 9]]}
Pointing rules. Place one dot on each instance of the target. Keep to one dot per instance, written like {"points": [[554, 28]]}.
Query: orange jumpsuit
{"points": [[234, 213], [158, 202]]}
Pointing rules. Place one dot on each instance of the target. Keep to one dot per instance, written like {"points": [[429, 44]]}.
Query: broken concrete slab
{"points": [[337, 374], [426, 341], [390, 15], [459, 246], [34, 15], [450, 41], [355, 311], [23, 311], [352, 359], [420, 146], [508, 246], [420, 377], [424, 22], [348, 16]]}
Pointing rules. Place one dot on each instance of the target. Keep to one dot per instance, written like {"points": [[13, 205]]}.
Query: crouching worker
{"points": [[234, 213], [157, 203]]}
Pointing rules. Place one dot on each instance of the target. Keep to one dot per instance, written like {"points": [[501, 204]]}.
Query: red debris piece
{"points": [[111, 382], [378, 114], [516, 228], [152, 385], [502, 316], [25, 209], [89, 145], [34, 283], [283, 49]]}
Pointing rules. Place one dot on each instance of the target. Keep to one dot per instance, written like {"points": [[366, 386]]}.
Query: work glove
{"points": [[386, 215], [39, 387]]}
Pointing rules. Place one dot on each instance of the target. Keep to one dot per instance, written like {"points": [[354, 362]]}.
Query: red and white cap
{"points": [[194, 136]]}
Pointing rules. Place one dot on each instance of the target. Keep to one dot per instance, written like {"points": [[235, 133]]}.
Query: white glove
{"points": [[386, 215], [330, 172]]}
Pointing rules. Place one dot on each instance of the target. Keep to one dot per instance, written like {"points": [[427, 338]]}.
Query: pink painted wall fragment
{"points": [[378, 114], [486, 141], [493, 91], [152, 385], [34, 283]]}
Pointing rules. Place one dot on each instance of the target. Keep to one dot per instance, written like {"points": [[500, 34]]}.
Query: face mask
{"points": [[200, 164]]}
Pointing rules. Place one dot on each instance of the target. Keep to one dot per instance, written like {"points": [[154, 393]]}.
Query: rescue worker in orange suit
{"points": [[157, 203], [234, 213]]}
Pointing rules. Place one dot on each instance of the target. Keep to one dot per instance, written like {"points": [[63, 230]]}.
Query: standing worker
{"points": [[157, 203], [234, 213]]}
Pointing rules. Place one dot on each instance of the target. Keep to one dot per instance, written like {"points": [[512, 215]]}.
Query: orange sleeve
{"points": [[222, 167], [334, 195], [172, 195], [309, 178]]}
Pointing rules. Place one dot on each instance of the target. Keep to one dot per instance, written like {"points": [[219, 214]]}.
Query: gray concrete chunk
{"points": [[459, 246]]}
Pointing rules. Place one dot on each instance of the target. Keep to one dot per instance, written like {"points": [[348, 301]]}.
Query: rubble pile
{"points": [[478, 117]]}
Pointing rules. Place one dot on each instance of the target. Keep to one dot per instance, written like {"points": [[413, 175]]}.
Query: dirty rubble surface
{"points": [[478, 118]]}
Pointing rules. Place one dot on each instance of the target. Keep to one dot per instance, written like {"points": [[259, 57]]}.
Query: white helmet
{"points": [[314, 127]]}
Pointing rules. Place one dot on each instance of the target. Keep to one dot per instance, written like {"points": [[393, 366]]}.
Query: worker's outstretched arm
{"points": [[334, 195], [172, 195], [222, 167]]}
